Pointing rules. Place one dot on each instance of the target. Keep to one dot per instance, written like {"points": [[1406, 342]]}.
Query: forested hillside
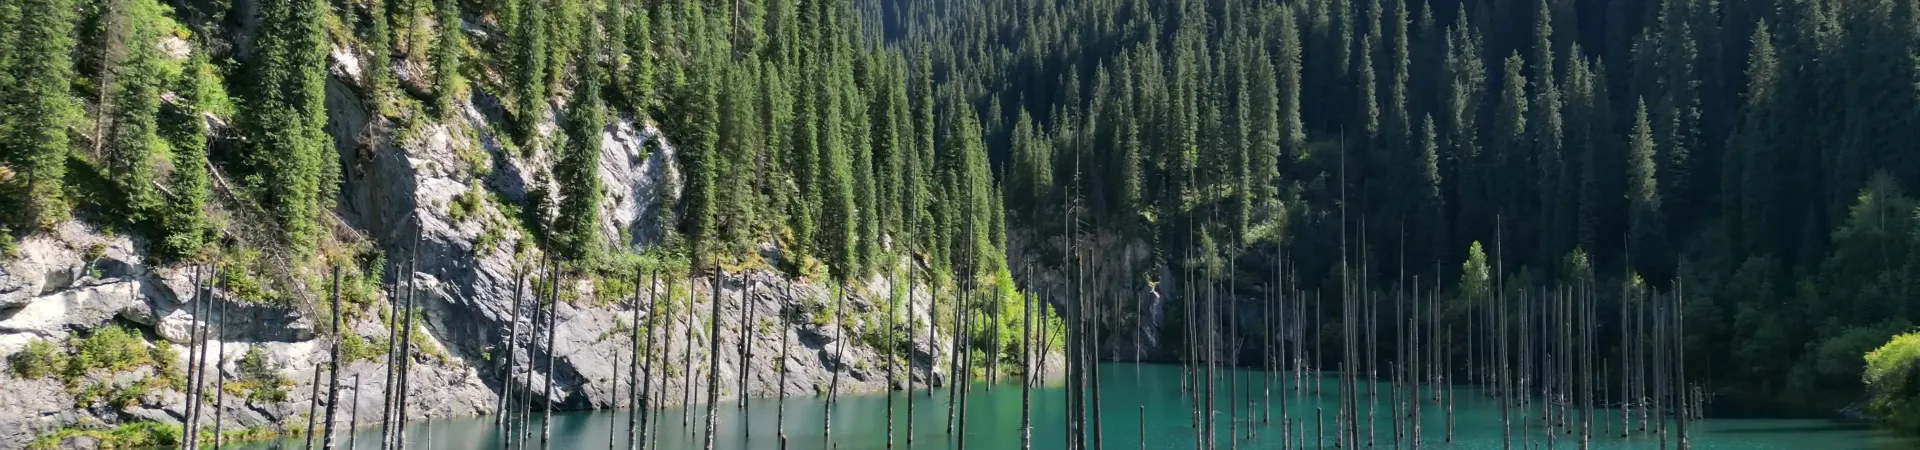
{"points": [[1752, 156]]}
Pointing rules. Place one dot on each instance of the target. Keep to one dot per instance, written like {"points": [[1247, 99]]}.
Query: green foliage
{"points": [[141, 434], [577, 228], [449, 47], [290, 162], [182, 215], [113, 348], [529, 72], [133, 141], [167, 364], [38, 112], [1890, 379], [354, 347], [37, 360], [259, 379]]}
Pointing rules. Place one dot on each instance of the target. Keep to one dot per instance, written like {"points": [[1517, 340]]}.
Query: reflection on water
{"points": [[1129, 392]]}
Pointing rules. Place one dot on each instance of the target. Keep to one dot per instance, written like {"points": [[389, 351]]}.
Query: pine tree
{"points": [[577, 173], [182, 219], [636, 77], [38, 111], [1547, 133], [292, 158], [529, 73], [1292, 131], [1752, 172], [448, 49], [1645, 228], [133, 137]]}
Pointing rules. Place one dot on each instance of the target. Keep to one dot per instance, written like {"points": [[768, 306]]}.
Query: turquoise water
{"points": [[993, 422]]}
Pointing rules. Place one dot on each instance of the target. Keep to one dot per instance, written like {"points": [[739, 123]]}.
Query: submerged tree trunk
{"points": [[1026, 375], [405, 363], [633, 366], [912, 326], [220, 380], [644, 403], [333, 364], [353, 416], [546, 397], [780, 416], [197, 352], [506, 372], [713, 357], [686, 359]]}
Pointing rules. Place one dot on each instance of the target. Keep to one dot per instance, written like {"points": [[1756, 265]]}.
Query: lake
{"points": [[994, 418]]}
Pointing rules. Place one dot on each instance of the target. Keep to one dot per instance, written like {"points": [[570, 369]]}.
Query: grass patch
{"points": [[127, 435], [40, 359]]}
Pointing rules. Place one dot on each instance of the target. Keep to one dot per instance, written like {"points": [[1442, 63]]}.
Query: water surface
{"points": [[1129, 392]]}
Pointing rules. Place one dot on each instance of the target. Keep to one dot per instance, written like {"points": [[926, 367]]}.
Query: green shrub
{"points": [[354, 347], [1890, 380], [260, 379], [168, 364], [8, 248], [467, 204], [39, 359], [113, 348], [127, 435]]}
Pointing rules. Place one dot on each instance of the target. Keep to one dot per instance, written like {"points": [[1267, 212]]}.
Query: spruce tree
{"points": [[1292, 131], [577, 173], [1645, 228], [292, 159], [38, 111], [449, 47], [133, 134], [529, 73], [1753, 170], [182, 219]]}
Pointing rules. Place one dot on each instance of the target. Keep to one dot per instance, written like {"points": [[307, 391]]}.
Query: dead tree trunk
{"points": [[686, 359], [780, 416], [333, 364], [713, 357], [353, 416], [197, 352], [1026, 375], [643, 401], [220, 379], [506, 372], [546, 386]]}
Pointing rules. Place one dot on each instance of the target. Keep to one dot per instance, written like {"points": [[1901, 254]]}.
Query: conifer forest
{"points": [[681, 224]]}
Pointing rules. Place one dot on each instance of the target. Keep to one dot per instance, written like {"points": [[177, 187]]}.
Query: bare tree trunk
{"points": [[313, 406], [912, 327], [333, 365], [533, 340], [220, 380], [780, 420], [197, 352], [893, 343], [833, 388], [353, 416], [506, 372], [404, 372], [633, 366], [747, 330], [686, 359], [1027, 380], [644, 403], [713, 357], [546, 398]]}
